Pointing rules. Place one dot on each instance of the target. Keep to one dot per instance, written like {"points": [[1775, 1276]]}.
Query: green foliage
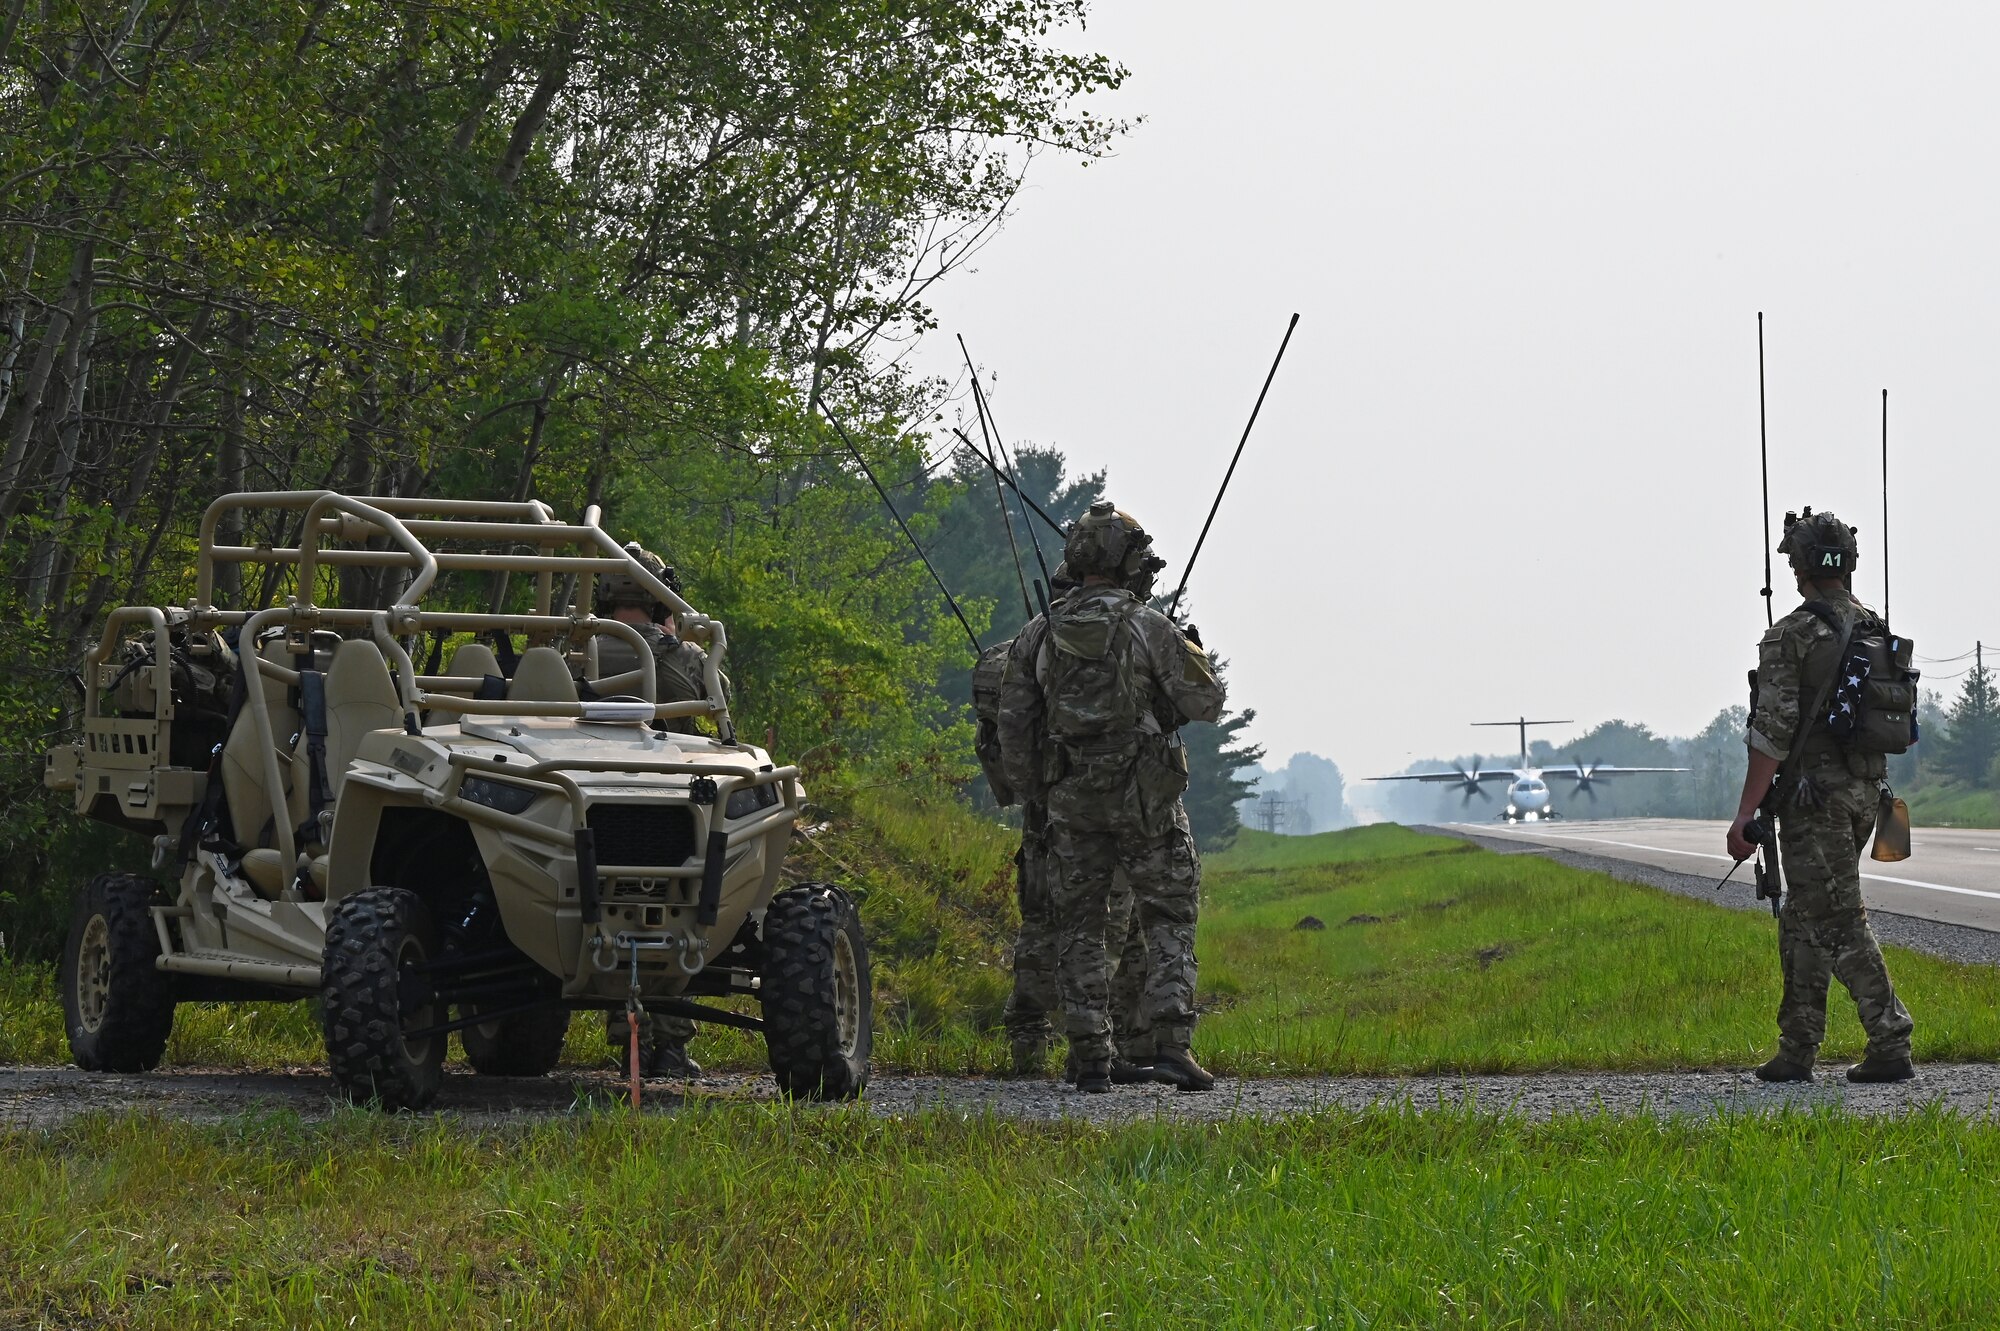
{"points": [[795, 1216], [1217, 757], [1971, 740], [608, 253]]}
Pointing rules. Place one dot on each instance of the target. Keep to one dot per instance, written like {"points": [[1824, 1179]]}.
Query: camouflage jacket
{"points": [[678, 668], [1795, 659], [1173, 676]]}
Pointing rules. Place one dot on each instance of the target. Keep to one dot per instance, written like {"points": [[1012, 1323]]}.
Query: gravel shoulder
{"points": [[1954, 942], [38, 1098]]}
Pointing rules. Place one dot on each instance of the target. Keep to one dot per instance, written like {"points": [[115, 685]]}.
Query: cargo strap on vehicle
{"points": [[312, 708]]}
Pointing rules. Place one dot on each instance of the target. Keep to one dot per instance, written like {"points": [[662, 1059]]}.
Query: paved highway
{"points": [[1952, 875]]}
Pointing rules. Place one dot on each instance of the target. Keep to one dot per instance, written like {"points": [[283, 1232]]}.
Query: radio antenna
{"points": [[1885, 503], [1764, 468], [887, 503]]}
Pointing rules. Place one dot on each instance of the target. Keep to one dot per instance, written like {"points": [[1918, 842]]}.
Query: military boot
{"points": [[1093, 1076], [1176, 1067], [1784, 1067], [1878, 1068], [668, 1058], [1129, 1072], [1030, 1055]]}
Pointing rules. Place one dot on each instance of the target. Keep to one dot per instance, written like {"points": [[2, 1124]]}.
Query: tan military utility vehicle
{"points": [[481, 845]]}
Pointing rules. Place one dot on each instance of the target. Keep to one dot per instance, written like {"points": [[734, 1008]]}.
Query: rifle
{"points": [[1770, 886], [1173, 604], [869, 471]]}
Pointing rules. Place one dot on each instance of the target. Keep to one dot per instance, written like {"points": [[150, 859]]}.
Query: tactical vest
{"points": [[1873, 705], [986, 677], [1095, 695]]}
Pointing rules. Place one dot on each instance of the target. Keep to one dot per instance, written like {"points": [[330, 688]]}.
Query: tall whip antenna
{"points": [[1175, 603], [1764, 468], [990, 430], [1885, 503], [869, 471]]}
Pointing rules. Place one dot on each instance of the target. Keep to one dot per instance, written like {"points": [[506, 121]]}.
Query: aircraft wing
{"points": [[1606, 769], [1505, 774]]}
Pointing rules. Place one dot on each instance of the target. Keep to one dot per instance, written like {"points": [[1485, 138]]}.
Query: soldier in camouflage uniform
{"points": [[1825, 805], [678, 675], [1089, 721], [1035, 997]]}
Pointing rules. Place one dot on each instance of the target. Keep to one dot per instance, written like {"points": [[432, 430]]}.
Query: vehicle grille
{"points": [[653, 835]]}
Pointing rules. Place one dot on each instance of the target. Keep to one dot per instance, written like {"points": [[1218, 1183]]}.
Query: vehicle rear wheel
{"points": [[376, 990], [527, 1044], [818, 1006], [118, 1006]]}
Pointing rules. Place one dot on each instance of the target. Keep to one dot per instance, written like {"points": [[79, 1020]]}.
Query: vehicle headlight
{"points": [[502, 795], [744, 802]]}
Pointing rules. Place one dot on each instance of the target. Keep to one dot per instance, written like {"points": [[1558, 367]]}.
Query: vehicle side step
{"points": [[235, 968]]}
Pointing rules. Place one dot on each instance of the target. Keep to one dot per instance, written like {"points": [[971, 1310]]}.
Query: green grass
{"points": [[1954, 806], [1439, 957], [767, 1216], [1436, 957]]}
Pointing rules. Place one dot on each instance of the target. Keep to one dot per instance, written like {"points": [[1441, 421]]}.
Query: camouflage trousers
{"points": [[1823, 928], [1165, 877], [1035, 1005], [659, 1031]]}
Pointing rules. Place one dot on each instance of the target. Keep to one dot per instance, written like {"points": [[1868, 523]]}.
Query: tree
{"points": [[1972, 735], [581, 253], [1217, 758]]}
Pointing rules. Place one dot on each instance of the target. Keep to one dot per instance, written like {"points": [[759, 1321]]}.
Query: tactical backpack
{"points": [[1092, 690], [1873, 708]]}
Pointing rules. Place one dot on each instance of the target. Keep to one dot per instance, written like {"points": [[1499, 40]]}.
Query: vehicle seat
{"points": [[360, 697], [542, 676], [615, 657], [475, 663], [253, 810]]}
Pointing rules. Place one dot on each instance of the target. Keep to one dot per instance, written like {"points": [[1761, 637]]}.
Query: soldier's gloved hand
{"points": [[1192, 634], [1741, 847]]}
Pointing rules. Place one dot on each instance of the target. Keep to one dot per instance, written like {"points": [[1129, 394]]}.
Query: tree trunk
{"points": [[55, 337], [76, 369]]}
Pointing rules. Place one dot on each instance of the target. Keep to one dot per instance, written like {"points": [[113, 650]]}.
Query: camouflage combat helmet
{"points": [[621, 588], [1819, 545], [1109, 543]]}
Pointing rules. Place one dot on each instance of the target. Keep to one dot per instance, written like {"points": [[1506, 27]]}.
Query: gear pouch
{"points": [[1892, 829], [1162, 775]]}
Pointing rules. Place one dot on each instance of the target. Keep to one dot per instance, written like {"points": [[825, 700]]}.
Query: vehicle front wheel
{"points": [[527, 1044], [377, 990], [818, 1006], [117, 1005]]}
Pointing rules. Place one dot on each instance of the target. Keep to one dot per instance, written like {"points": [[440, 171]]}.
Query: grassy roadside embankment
{"points": [[1954, 806], [747, 1215], [1438, 956], [1435, 957]]}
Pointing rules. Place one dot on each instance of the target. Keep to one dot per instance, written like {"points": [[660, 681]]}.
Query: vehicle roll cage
{"points": [[397, 532]]}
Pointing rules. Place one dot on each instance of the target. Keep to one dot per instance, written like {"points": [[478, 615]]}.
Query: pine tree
{"points": [[1216, 757], [1972, 738]]}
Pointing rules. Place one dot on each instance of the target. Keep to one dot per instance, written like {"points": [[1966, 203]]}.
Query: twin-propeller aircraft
{"points": [[1528, 796]]}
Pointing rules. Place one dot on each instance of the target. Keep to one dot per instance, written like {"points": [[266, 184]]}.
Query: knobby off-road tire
{"points": [[374, 992], [818, 1007], [527, 1044], [117, 1005]]}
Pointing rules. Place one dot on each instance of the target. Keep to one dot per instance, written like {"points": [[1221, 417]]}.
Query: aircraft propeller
{"points": [[1468, 784], [1586, 778]]}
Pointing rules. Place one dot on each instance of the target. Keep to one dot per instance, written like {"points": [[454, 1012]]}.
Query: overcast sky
{"points": [[1510, 463]]}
